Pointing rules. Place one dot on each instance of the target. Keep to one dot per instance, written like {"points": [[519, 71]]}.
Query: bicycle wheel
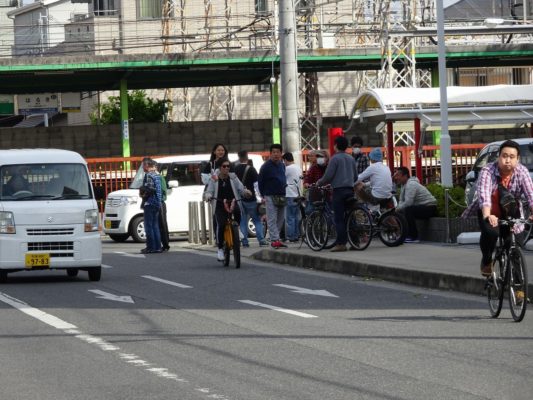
{"points": [[236, 245], [359, 228], [392, 228], [331, 239], [317, 230], [517, 282], [228, 243], [495, 288]]}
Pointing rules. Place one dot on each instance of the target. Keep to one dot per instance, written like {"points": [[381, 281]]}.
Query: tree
{"points": [[140, 109]]}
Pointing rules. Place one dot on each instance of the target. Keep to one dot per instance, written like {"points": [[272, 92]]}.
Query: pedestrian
{"points": [[341, 174], [361, 159], [293, 174], [319, 161], [225, 188], [247, 174], [150, 193], [416, 201], [163, 223], [272, 183], [218, 154]]}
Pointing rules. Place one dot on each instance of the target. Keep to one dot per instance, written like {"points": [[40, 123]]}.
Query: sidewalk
{"points": [[427, 264]]}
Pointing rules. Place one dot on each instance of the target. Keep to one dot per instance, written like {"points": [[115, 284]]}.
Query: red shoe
{"points": [[276, 244]]}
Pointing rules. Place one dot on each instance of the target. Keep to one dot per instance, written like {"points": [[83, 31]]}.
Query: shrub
{"points": [[457, 200]]}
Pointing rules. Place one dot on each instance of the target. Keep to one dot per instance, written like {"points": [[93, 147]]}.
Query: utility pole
{"points": [[289, 79]]}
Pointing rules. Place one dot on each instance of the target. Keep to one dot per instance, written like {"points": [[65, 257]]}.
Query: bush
{"points": [[457, 200]]}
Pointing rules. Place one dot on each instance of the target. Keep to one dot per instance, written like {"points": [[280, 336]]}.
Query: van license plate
{"points": [[37, 260], [107, 224]]}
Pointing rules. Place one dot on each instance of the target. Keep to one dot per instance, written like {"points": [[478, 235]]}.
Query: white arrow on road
{"points": [[110, 296], [301, 290]]}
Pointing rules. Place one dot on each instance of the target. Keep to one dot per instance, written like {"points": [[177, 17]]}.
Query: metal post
{"points": [[210, 224], [447, 213], [203, 232], [390, 146], [196, 231], [124, 117], [289, 77], [190, 238], [445, 140], [418, 147]]}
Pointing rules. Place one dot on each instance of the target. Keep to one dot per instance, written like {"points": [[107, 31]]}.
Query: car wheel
{"points": [[95, 273], [119, 237], [72, 272], [251, 228], [137, 229]]}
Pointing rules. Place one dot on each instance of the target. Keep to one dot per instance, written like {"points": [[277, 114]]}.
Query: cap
{"points": [[376, 154]]}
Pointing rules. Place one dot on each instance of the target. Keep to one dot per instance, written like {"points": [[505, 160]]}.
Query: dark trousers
{"points": [[163, 226], [489, 237], [221, 217], [412, 213], [340, 195]]}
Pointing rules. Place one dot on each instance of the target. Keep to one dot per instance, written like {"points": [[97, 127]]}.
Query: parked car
{"points": [[489, 154], [123, 216]]}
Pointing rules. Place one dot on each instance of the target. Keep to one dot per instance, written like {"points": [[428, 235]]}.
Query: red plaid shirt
{"points": [[314, 173]]}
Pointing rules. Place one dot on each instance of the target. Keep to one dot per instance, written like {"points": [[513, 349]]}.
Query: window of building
{"points": [[261, 7], [105, 7], [150, 9]]}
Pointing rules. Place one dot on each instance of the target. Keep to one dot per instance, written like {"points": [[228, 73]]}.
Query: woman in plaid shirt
{"points": [[508, 171], [319, 161]]}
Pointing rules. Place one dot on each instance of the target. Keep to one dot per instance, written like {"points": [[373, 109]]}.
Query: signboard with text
{"points": [[38, 103]]}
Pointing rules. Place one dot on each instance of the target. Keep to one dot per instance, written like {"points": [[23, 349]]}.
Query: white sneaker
{"points": [[220, 255]]}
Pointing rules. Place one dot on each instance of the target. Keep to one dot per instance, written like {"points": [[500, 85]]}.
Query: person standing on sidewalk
{"points": [[415, 201], [361, 159], [506, 176], [272, 183], [163, 224], [150, 192], [247, 174], [293, 173], [341, 173]]}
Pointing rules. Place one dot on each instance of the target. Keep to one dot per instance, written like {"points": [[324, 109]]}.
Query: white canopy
{"points": [[468, 106]]}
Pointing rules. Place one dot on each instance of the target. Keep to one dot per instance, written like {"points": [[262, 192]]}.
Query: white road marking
{"points": [[106, 266], [301, 290], [110, 296], [102, 344], [122, 253], [154, 278], [283, 310]]}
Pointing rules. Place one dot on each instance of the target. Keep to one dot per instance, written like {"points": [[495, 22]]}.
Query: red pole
{"points": [[333, 133], [390, 146], [418, 158]]}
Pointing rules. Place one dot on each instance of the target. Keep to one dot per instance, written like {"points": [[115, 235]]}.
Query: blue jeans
{"points": [[340, 195], [292, 214], [151, 228], [249, 210]]}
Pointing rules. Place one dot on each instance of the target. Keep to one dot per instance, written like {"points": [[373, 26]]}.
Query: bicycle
{"points": [[510, 273], [386, 223], [319, 228], [231, 234]]}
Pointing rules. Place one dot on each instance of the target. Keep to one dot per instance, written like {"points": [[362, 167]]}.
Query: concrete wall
{"points": [[194, 137]]}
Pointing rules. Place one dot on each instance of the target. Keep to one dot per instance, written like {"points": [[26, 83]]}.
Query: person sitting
{"points": [[415, 201], [379, 187], [16, 184]]}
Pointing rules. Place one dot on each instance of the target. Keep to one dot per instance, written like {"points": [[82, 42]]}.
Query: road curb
{"points": [[427, 279]]}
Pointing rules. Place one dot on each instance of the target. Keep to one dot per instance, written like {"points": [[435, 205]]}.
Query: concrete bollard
{"points": [[190, 238]]}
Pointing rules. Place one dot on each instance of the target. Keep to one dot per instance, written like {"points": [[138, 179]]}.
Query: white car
{"points": [[123, 216]]}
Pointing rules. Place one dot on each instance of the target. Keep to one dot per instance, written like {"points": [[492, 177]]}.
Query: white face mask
{"points": [[320, 161], [356, 150]]}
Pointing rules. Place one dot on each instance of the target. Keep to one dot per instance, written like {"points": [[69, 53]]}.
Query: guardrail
{"points": [[110, 174]]}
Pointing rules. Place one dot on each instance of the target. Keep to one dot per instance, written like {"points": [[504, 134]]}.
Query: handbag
{"points": [[279, 200]]}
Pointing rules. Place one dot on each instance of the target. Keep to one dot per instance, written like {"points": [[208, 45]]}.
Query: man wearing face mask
{"points": [[361, 159]]}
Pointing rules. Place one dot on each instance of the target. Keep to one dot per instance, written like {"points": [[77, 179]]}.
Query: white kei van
{"points": [[123, 215], [48, 213]]}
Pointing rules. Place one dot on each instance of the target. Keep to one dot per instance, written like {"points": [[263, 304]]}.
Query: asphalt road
{"points": [[178, 325]]}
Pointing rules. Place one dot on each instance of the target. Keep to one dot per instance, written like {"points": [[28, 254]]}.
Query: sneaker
{"points": [[486, 270], [339, 247], [166, 248], [277, 244], [144, 251], [245, 244], [519, 296], [263, 243], [220, 255], [411, 240]]}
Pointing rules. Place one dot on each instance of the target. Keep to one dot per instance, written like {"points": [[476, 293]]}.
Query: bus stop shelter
{"points": [[418, 110]]}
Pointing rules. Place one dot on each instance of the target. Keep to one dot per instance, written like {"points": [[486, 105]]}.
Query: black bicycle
{"points": [[231, 234], [509, 273]]}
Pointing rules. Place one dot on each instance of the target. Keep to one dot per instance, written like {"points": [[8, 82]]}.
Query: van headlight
{"points": [[7, 222], [91, 220], [125, 200]]}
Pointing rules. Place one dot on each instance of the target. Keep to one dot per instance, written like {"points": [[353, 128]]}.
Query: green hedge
{"points": [[457, 194]]}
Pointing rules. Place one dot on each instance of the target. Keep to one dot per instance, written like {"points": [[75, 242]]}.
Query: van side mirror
{"points": [[173, 184]]}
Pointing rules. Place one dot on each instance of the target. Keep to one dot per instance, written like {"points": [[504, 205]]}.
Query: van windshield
{"points": [[26, 182]]}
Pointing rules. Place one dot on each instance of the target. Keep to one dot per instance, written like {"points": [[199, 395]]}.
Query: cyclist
{"points": [[341, 173], [379, 186], [498, 181], [223, 190]]}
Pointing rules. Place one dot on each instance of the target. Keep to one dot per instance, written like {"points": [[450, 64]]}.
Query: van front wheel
{"points": [[3, 277], [137, 230], [95, 273], [119, 237]]}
